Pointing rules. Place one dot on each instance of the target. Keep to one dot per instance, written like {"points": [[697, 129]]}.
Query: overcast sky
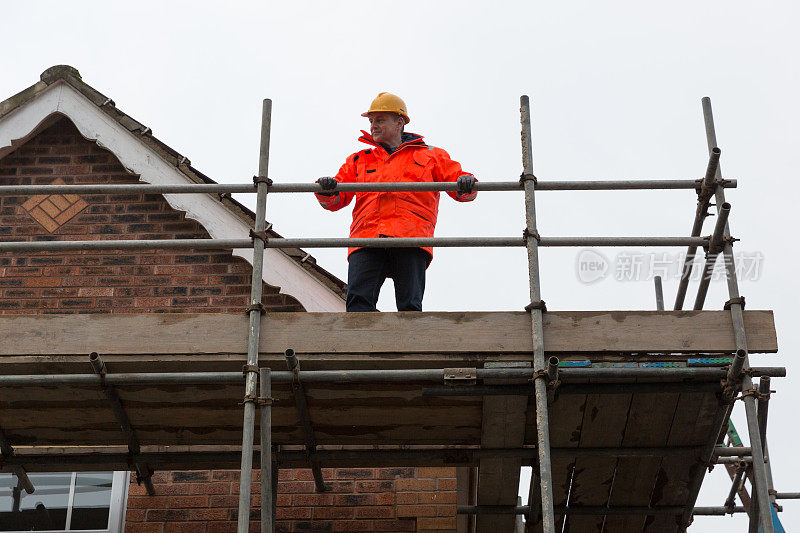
{"points": [[615, 89]]}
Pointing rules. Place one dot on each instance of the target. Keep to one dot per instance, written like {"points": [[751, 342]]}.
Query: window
{"points": [[64, 501]]}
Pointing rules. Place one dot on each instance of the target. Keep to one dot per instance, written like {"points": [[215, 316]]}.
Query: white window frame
{"points": [[116, 510]]}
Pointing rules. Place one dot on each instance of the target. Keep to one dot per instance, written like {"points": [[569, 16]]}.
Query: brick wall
{"points": [[168, 281], [359, 499], [156, 281]]}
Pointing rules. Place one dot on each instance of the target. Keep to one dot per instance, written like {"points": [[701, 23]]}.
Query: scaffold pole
{"points": [[254, 310], [536, 307]]}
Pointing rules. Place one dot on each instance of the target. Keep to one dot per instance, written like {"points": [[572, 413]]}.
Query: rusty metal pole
{"points": [[536, 307], [255, 309]]}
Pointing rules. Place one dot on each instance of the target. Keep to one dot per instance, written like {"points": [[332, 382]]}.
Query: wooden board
{"points": [[692, 424], [649, 422], [60, 343], [503, 426], [604, 421], [566, 419]]}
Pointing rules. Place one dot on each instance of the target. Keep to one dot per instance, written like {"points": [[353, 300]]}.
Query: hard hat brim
{"points": [[367, 114]]}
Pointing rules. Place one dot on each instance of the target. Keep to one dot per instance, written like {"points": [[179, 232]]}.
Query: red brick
{"points": [[225, 501], [393, 473], [179, 502], [225, 475], [296, 486], [415, 485], [312, 500], [144, 527], [170, 489], [354, 525], [436, 497], [374, 486], [385, 498], [286, 513], [339, 513], [147, 502], [447, 484], [436, 524], [416, 510], [185, 527], [355, 499], [375, 512], [436, 472], [220, 527], [396, 526], [355, 473], [165, 515], [135, 515], [208, 514], [406, 498], [215, 487]]}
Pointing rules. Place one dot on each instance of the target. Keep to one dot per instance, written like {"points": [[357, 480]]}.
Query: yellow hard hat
{"points": [[389, 103]]}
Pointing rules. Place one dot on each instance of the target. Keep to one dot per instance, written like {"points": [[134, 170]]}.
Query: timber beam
{"points": [[368, 340]]}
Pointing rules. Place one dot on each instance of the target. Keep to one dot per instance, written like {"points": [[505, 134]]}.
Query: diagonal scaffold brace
{"points": [[305, 419], [739, 372], [535, 308], [144, 474], [254, 311]]}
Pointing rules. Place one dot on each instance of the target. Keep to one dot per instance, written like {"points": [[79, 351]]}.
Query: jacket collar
{"points": [[409, 139]]}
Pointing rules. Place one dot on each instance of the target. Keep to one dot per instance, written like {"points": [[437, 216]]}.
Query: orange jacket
{"points": [[395, 214]]}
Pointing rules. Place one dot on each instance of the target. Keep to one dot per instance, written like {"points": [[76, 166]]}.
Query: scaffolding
{"points": [[543, 377]]}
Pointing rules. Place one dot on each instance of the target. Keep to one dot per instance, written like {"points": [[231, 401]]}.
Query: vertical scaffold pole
{"points": [[536, 307], [255, 309], [735, 304], [265, 388]]}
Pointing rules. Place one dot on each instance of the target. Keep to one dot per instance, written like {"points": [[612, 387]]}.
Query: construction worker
{"points": [[394, 155]]}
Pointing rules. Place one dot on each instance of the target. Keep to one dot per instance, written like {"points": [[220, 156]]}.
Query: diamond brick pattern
{"points": [[55, 210]]}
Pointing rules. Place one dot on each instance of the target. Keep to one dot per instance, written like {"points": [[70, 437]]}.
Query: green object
{"points": [[733, 434]]}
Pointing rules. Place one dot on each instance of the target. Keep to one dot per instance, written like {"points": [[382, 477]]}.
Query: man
{"points": [[394, 156]]}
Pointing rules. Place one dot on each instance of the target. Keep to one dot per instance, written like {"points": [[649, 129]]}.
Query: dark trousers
{"points": [[368, 268]]}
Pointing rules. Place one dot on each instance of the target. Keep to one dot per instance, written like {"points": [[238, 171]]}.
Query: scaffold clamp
{"points": [[539, 304], [551, 384], [255, 307], [460, 376], [738, 300], [259, 235], [531, 233], [257, 400], [249, 368], [527, 177], [262, 179]]}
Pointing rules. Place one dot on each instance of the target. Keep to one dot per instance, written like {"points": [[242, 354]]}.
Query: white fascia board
{"points": [[279, 270]]}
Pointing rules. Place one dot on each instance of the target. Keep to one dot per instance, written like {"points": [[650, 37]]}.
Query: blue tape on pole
{"points": [[574, 364], [709, 361]]}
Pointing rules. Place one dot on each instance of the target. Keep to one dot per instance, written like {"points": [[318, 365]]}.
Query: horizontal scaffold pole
{"points": [[222, 188], [42, 458], [600, 511], [344, 242], [376, 376]]}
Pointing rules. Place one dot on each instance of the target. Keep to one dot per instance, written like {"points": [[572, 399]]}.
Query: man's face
{"points": [[385, 127]]}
